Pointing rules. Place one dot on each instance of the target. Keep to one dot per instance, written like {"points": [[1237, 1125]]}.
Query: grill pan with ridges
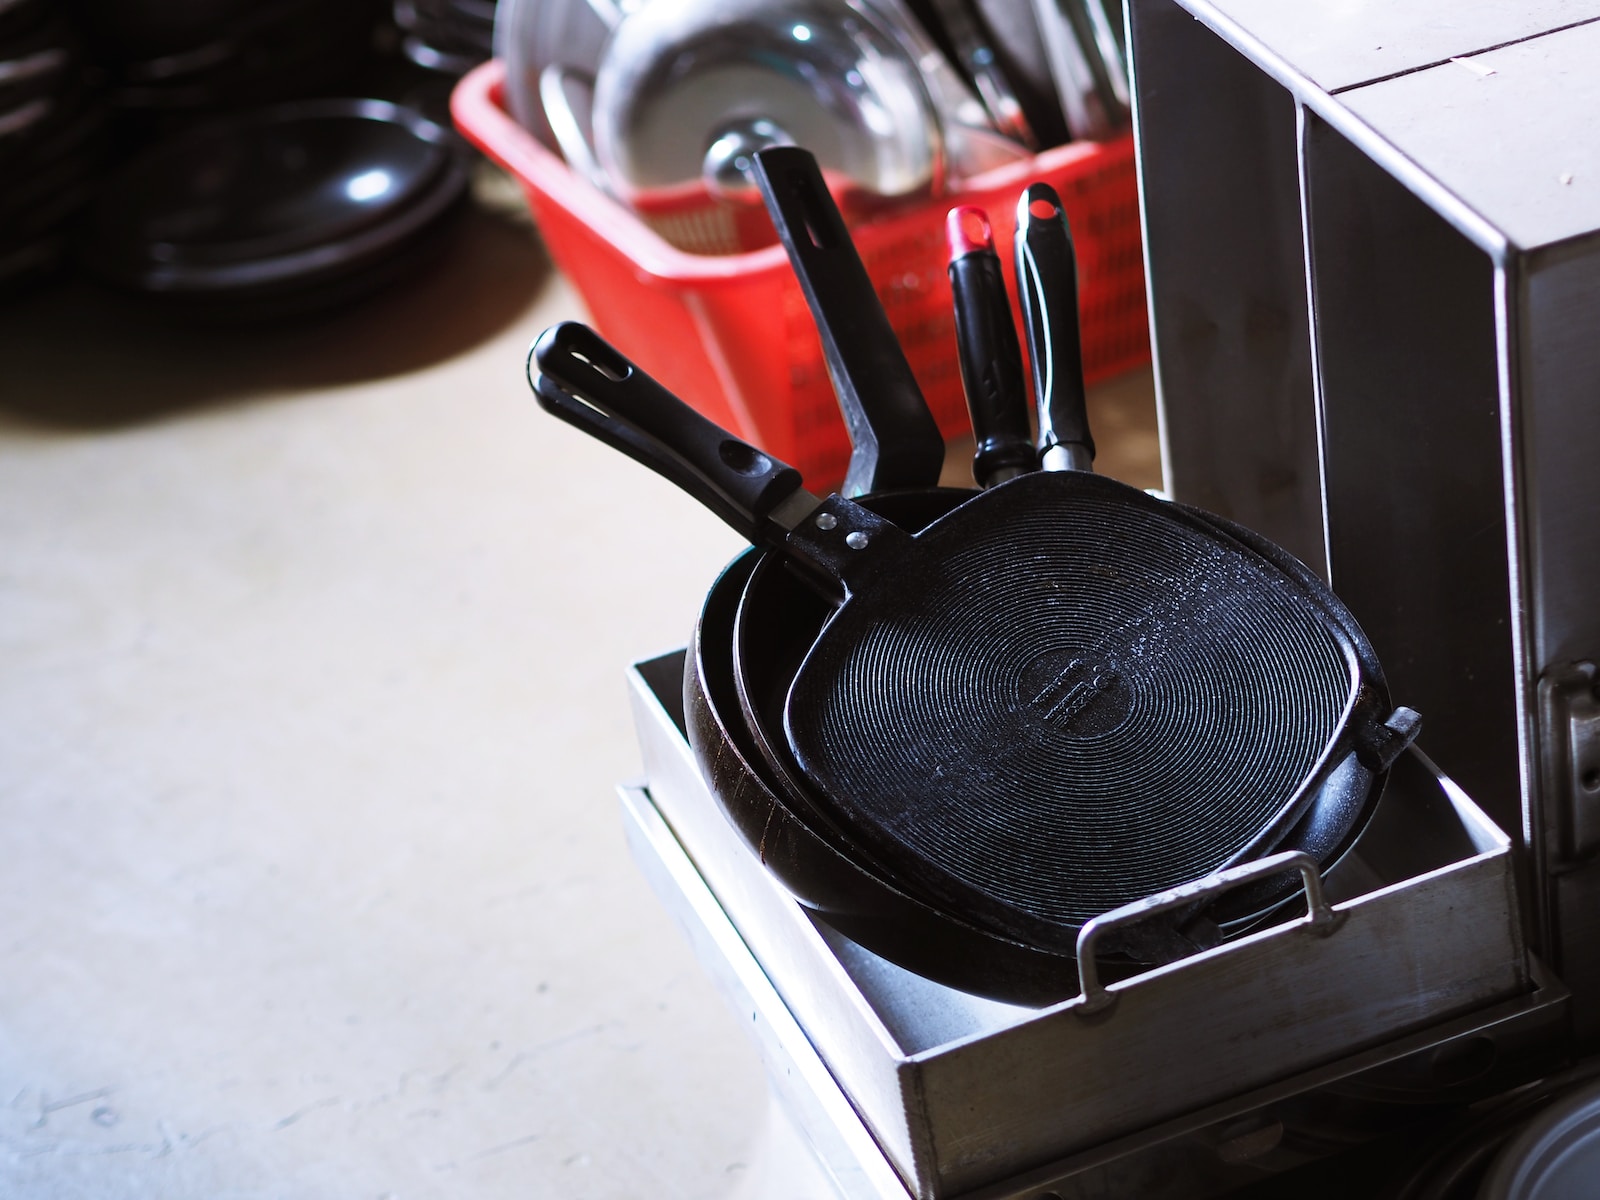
{"points": [[886, 579], [1075, 698]]}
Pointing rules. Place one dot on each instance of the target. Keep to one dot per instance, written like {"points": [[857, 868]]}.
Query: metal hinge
{"points": [[1569, 719]]}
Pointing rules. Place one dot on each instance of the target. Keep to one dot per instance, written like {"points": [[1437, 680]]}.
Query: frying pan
{"points": [[777, 621], [768, 658], [1044, 658], [1066, 695]]}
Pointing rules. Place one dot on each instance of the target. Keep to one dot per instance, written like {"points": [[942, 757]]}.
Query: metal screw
{"points": [[826, 521], [856, 540]]}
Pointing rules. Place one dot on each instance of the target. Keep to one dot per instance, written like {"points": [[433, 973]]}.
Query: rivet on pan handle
{"points": [[1321, 918]]}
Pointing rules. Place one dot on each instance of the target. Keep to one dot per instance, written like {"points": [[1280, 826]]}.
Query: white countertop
{"points": [[311, 712]]}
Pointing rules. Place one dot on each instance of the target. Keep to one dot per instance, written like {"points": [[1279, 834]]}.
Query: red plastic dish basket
{"points": [[731, 333]]}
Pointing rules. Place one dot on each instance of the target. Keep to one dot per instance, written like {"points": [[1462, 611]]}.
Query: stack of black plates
{"points": [[208, 54], [278, 211], [449, 36], [50, 143]]}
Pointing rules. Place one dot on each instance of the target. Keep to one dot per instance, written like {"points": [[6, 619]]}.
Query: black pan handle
{"points": [[896, 440], [1047, 281], [582, 379], [986, 345]]}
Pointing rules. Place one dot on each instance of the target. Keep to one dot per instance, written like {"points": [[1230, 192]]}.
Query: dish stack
{"points": [[50, 138], [208, 54]]}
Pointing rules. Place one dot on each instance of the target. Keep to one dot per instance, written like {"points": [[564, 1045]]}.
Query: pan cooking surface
{"points": [[1069, 705]]}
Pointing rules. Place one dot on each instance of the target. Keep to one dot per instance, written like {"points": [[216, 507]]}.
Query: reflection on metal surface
{"points": [[825, 74]]}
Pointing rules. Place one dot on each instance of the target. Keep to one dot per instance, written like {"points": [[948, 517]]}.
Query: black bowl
{"points": [[292, 198]]}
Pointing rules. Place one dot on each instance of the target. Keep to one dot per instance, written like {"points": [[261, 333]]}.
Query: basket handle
{"points": [[1321, 919]]}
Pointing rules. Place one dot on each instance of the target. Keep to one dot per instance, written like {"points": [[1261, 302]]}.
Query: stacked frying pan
{"points": [[50, 137], [962, 725]]}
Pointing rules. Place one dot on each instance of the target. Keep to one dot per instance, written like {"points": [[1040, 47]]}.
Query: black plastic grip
{"points": [[1047, 283], [896, 441], [991, 368], [580, 378]]}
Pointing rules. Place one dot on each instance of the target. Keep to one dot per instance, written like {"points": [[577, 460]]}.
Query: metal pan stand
{"points": [[1407, 987], [1372, 236]]}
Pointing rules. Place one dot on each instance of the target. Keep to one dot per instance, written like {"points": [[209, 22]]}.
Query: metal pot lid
{"points": [[686, 91]]}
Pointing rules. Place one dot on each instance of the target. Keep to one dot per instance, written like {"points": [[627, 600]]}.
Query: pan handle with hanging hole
{"points": [[987, 349], [896, 441], [580, 378], [1047, 284], [1320, 918]]}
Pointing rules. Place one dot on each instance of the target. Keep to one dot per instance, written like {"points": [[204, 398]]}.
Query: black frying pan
{"points": [[1067, 695], [790, 618], [1061, 697]]}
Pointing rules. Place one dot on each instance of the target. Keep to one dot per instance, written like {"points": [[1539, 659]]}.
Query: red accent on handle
{"points": [[967, 231]]}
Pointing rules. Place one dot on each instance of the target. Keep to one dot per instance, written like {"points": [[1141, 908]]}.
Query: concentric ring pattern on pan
{"points": [[1081, 706]]}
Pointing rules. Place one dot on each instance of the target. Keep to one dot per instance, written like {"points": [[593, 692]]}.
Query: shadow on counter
{"points": [[78, 356]]}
